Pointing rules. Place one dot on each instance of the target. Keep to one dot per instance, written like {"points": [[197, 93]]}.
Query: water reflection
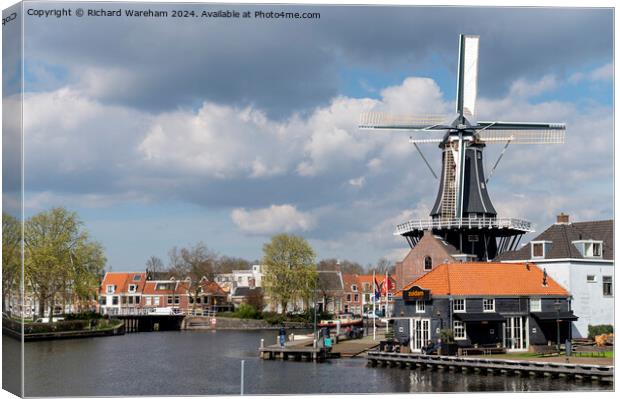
{"points": [[200, 363]]}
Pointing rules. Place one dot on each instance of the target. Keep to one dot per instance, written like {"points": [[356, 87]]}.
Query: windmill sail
{"points": [[522, 133], [382, 120], [467, 85]]}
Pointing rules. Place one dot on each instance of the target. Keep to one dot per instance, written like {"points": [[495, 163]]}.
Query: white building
{"points": [[579, 256]]}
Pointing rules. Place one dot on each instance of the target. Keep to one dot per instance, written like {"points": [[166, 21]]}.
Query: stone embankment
{"points": [[231, 323]]}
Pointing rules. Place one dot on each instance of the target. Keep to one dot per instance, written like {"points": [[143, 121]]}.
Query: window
{"points": [[137, 300], [366, 287], [535, 305], [354, 288], [190, 299], [169, 300], [148, 301], [114, 300], [428, 263], [596, 249], [132, 287], [156, 301], [488, 305], [137, 277], [355, 298], [607, 288], [458, 327], [123, 300], [458, 305], [110, 289], [130, 300], [101, 300], [176, 299], [538, 250], [198, 299], [591, 278], [348, 297], [420, 306]]}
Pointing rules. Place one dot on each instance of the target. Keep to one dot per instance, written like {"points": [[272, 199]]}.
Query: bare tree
{"points": [[154, 265]]}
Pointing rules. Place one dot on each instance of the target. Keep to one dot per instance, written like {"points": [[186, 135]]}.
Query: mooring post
{"points": [[242, 370], [262, 343]]}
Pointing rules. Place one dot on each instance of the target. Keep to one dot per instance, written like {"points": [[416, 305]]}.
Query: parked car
{"points": [[47, 319], [370, 315]]}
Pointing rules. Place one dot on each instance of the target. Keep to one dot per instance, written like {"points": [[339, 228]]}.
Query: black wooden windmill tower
{"points": [[463, 214]]}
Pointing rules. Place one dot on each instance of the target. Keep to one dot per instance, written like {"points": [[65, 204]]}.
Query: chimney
{"points": [[562, 218]]}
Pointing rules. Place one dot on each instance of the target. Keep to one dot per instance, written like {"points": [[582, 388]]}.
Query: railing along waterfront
{"points": [[457, 223]]}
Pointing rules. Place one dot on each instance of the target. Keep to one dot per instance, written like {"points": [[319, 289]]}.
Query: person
{"points": [[282, 335]]}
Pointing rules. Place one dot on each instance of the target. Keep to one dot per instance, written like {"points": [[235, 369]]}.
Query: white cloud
{"points": [[358, 182], [604, 73], [527, 89], [275, 219]]}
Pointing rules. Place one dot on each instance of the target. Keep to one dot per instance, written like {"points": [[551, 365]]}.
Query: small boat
{"points": [[343, 321]]}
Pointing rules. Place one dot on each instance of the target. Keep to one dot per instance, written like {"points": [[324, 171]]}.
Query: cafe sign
{"points": [[416, 293]]}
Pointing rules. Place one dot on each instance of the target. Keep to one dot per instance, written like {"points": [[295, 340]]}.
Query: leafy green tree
{"points": [[290, 270], [60, 257], [11, 259]]}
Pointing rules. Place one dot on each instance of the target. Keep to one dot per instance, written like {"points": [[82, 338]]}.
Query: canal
{"points": [[208, 363]]}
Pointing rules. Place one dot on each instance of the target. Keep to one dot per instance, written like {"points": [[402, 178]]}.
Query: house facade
{"points": [[385, 303], [579, 256], [352, 302], [513, 306], [134, 292]]}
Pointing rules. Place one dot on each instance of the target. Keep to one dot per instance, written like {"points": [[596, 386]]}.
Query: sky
{"points": [[167, 132]]}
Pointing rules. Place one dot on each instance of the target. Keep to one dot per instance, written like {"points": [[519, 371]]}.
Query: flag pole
{"points": [[387, 287], [374, 307]]}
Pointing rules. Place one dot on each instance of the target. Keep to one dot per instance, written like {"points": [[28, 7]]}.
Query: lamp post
{"points": [[557, 306]]}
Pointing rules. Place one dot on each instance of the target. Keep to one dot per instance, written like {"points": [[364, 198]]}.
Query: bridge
{"points": [[145, 320]]}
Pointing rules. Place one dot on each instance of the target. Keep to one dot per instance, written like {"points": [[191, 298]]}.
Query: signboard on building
{"points": [[416, 293]]}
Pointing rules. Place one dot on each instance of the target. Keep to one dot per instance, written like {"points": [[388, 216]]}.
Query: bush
{"points": [[273, 318], [593, 331], [245, 311], [446, 335], [83, 316]]}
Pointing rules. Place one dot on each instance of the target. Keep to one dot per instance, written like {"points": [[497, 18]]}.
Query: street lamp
{"points": [[556, 306]]}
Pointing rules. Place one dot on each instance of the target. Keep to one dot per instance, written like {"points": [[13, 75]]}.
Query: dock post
{"points": [[242, 372], [262, 343]]}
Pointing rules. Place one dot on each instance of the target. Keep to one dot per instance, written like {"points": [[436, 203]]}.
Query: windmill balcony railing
{"points": [[457, 223]]}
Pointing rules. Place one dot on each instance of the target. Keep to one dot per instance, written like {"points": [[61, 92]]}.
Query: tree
{"points": [[383, 266], [154, 265], [11, 259], [290, 271], [195, 262], [227, 264], [345, 266], [60, 257]]}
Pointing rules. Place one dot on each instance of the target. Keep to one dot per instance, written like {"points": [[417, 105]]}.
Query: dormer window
{"points": [[589, 248], [132, 288], [354, 288], [110, 289], [540, 249]]}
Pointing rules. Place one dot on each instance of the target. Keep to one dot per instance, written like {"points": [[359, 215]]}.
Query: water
{"points": [[208, 363]]}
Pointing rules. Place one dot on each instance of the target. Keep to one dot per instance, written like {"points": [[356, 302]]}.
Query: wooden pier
{"points": [[293, 353], [492, 366]]}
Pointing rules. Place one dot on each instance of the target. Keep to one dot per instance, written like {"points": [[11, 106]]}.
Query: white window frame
{"points": [[611, 284], [147, 301], [110, 289], [485, 302], [454, 307], [538, 307], [593, 278], [354, 288], [420, 306], [544, 249], [458, 327], [133, 288], [156, 301]]}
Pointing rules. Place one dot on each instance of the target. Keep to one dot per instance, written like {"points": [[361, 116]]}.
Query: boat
{"points": [[343, 321]]}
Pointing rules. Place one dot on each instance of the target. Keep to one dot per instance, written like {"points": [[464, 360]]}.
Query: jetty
{"points": [[579, 372]]}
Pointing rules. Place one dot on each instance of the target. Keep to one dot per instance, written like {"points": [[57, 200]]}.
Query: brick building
{"points": [[429, 252], [352, 294]]}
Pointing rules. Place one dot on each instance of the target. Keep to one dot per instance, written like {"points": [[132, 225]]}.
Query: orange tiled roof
{"points": [[482, 278], [350, 279]]}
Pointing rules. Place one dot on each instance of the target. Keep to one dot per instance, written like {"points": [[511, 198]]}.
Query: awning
{"points": [[487, 316], [554, 316]]}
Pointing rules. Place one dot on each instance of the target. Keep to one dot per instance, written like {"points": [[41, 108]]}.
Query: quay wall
{"points": [[232, 323]]}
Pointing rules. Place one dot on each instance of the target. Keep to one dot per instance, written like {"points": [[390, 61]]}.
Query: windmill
{"points": [[463, 214]]}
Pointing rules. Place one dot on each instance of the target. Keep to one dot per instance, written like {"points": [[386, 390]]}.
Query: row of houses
{"points": [[547, 291]]}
